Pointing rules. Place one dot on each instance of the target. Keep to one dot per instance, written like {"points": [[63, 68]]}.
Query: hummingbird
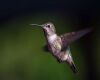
{"points": [[59, 45]]}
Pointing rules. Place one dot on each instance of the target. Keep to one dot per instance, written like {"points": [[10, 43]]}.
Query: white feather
{"points": [[52, 38], [65, 57]]}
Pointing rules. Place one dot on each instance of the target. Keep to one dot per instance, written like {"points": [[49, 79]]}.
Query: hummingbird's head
{"points": [[48, 28]]}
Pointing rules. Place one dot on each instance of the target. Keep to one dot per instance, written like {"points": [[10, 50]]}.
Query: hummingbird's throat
{"points": [[47, 31]]}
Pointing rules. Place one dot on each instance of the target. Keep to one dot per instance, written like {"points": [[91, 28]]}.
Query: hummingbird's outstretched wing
{"points": [[68, 38]]}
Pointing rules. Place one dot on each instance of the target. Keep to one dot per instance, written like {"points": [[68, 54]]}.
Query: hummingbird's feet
{"points": [[60, 61], [45, 48]]}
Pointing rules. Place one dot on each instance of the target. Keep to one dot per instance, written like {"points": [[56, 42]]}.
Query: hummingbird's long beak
{"points": [[36, 25]]}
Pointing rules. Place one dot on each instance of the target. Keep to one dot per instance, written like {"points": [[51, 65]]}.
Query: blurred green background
{"points": [[21, 46]]}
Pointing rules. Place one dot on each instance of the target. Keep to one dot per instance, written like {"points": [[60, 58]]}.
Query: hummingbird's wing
{"points": [[68, 38]]}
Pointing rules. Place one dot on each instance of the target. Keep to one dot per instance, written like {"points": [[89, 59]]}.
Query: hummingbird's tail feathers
{"points": [[70, 61], [74, 69], [72, 66], [68, 38]]}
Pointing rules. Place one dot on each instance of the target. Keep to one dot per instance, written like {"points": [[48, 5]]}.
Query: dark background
{"points": [[21, 53]]}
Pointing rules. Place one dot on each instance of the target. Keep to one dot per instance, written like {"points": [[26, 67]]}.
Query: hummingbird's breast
{"points": [[54, 43], [52, 38]]}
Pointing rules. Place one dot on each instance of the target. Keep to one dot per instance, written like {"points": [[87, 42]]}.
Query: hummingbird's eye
{"points": [[48, 26]]}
